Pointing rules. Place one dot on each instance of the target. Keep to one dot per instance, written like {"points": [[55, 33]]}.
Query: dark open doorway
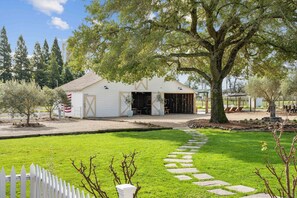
{"points": [[179, 103], [142, 103]]}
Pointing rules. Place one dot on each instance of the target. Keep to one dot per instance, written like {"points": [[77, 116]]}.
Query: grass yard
{"points": [[54, 153], [233, 156], [228, 156]]}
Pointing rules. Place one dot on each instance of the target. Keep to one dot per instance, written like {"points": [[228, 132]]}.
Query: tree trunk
{"points": [[217, 104], [50, 114], [28, 119], [272, 109]]}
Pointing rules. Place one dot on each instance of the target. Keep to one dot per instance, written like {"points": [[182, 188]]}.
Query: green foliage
{"points": [[5, 57], [22, 68], [289, 86], [126, 41], [38, 64], [58, 55], [67, 75], [54, 78], [20, 97], [270, 89], [45, 53], [54, 97]]}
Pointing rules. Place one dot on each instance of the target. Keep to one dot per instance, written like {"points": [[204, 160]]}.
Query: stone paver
{"points": [[203, 176], [179, 160], [221, 192], [182, 153], [183, 170], [172, 156], [190, 147], [194, 150], [192, 141], [181, 149], [212, 183], [183, 177], [186, 165], [241, 188], [170, 165], [259, 195], [187, 157]]}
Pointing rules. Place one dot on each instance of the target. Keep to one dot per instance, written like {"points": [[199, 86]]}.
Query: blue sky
{"points": [[37, 20]]}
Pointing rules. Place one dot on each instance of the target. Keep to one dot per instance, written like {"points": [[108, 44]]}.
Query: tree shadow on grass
{"points": [[169, 135], [244, 146]]}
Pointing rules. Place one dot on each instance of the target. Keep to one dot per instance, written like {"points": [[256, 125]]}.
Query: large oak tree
{"points": [[126, 40]]}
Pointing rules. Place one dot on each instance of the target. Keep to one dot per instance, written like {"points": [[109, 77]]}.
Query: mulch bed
{"points": [[22, 125], [243, 125]]}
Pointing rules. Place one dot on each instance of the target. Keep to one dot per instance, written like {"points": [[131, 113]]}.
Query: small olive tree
{"points": [[20, 97], [269, 89], [54, 97]]}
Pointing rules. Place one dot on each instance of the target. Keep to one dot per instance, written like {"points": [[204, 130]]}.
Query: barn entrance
{"points": [[89, 106], [179, 103], [142, 103]]}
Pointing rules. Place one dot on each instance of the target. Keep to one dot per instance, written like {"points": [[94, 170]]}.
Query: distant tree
{"points": [[56, 50], [67, 75], [39, 67], [54, 78], [54, 97], [268, 88], [5, 57], [22, 68], [21, 97], [45, 53]]}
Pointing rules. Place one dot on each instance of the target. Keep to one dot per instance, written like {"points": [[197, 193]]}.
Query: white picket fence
{"points": [[45, 185], [42, 184]]}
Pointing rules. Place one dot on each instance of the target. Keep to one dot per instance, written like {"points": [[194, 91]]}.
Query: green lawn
{"points": [[233, 156], [54, 153], [228, 156]]}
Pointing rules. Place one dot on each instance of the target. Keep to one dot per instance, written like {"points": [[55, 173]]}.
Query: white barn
{"points": [[93, 96]]}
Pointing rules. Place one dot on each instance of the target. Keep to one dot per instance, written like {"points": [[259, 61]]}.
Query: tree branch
{"points": [[192, 69]]}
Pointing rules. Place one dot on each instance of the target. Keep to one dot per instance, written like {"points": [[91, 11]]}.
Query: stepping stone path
{"points": [[180, 162]]}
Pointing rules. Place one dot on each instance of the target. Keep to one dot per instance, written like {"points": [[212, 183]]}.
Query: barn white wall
{"points": [[77, 107], [108, 100]]}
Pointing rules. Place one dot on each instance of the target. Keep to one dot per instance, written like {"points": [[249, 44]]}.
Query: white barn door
{"points": [[125, 106], [89, 106], [157, 103]]}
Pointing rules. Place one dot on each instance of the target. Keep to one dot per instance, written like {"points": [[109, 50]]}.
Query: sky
{"points": [[37, 20]]}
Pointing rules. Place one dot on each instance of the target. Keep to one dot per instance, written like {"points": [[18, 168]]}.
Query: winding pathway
{"points": [[180, 164]]}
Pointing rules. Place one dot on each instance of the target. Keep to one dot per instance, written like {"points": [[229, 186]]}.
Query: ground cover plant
{"points": [[54, 153], [234, 156]]}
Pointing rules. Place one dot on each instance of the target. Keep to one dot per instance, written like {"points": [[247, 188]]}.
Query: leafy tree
{"points": [[22, 68], [40, 74], [54, 79], [56, 50], [67, 75], [45, 53], [21, 97], [5, 57], [129, 40], [270, 89], [54, 97]]}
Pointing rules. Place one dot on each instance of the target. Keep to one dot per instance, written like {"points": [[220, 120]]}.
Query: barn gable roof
{"points": [[82, 82]]}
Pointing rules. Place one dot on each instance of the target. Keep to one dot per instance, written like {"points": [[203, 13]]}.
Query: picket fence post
{"points": [[2, 184], [126, 190]]}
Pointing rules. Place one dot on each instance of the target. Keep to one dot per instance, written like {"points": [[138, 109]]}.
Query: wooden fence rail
{"points": [[45, 185]]}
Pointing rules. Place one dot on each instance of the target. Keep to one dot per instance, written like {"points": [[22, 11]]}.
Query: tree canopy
{"points": [[129, 40], [5, 57], [22, 67]]}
